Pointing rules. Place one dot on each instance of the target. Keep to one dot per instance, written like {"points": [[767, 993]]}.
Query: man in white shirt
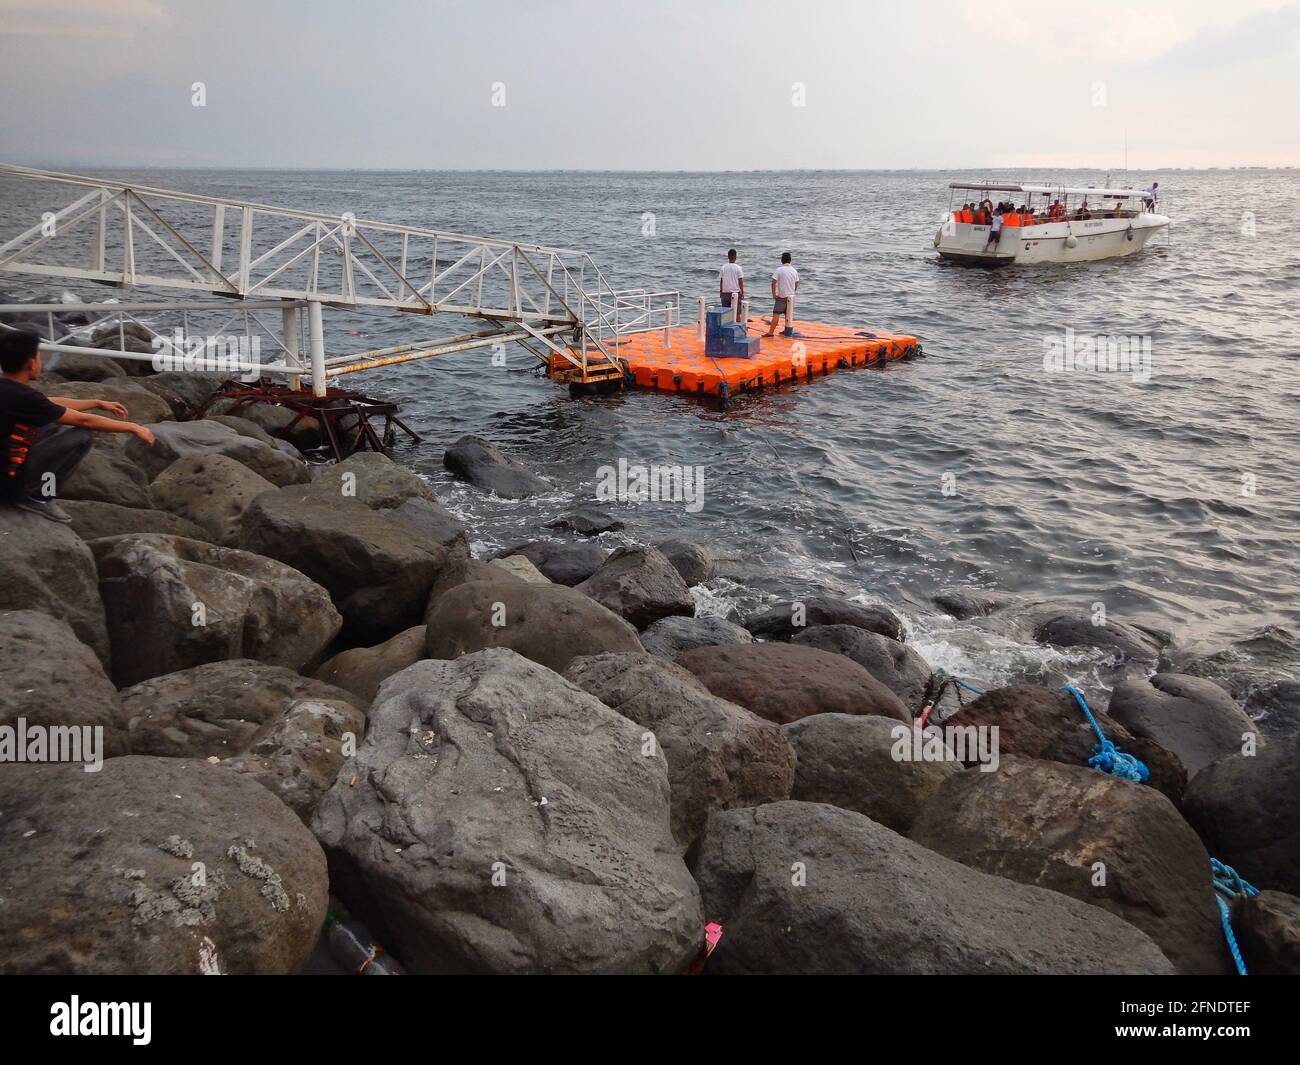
{"points": [[1152, 198], [731, 282], [785, 283]]}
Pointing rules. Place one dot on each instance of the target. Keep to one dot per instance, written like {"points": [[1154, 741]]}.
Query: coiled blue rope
{"points": [[1105, 755], [1228, 882]]}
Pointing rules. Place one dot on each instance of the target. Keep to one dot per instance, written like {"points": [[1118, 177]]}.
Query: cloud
{"points": [[103, 20], [1256, 39]]}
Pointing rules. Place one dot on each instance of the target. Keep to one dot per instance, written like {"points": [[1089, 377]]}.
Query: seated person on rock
{"points": [[42, 438]]}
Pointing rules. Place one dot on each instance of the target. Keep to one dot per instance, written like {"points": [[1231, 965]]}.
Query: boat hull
{"points": [[1052, 242]]}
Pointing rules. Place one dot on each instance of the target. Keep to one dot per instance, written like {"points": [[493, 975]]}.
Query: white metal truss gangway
{"points": [[555, 302]]}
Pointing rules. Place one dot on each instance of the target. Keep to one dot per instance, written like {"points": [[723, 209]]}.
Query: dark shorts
{"points": [[780, 305], [727, 297]]}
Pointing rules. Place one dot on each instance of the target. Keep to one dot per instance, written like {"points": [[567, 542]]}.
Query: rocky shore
{"points": [[317, 704]]}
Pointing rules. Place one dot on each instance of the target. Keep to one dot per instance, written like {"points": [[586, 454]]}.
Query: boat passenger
{"points": [[731, 282], [995, 231], [1152, 197], [785, 283]]}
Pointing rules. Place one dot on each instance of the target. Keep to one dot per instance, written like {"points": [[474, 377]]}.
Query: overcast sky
{"points": [[666, 85]]}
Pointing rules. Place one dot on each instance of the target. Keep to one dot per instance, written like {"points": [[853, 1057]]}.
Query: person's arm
{"points": [[774, 288], [85, 405], [96, 424]]}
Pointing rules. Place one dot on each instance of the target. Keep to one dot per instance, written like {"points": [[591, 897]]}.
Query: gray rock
{"points": [[284, 730], [153, 587], [640, 585], [719, 755], [375, 479], [362, 669], [1247, 809], [547, 623], [518, 566], [894, 664], [194, 388], [432, 520], [806, 888], [564, 563], [1124, 642], [785, 620], [1192, 718], [1268, 931], [847, 760], [784, 682], [92, 520], [99, 876], [52, 679], [668, 637], [964, 603], [177, 440], [483, 465], [47, 567], [586, 520], [1048, 824], [694, 562], [107, 475], [73, 367], [175, 402], [245, 428], [461, 569], [212, 491], [504, 821], [301, 430], [141, 405], [377, 572]]}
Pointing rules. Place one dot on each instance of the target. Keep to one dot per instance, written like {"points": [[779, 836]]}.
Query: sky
{"points": [[667, 85]]}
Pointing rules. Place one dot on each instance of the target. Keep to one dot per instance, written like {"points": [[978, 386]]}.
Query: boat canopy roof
{"points": [[1050, 190]]}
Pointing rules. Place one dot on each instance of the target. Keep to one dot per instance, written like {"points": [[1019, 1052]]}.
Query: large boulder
{"points": [[548, 623], [784, 682], [73, 366], [803, 887], [242, 426], [377, 572], [848, 760], [212, 491], [177, 408], [473, 459], [719, 754], [519, 567], [1121, 641], [433, 521], [375, 479], [785, 620], [462, 569], [284, 423], [93, 520], [894, 664], [564, 563], [286, 731], [141, 405], [153, 866], [639, 585], [498, 819], [194, 388], [1105, 841], [668, 637], [178, 440], [1045, 723], [1267, 926], [1192, 718], [107, 475], [694, 562], [52, 679], [1247, 809], [173, 603], [47, 567], [362, 669]]}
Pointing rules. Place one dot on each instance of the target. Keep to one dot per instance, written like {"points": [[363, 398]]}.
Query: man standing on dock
{"points": [[731, 284], [785, 283]]}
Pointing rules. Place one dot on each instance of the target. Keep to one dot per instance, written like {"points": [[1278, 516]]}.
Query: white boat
{"points": [[1047, 224]]}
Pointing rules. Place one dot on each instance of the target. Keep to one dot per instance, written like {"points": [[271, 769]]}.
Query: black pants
{"points": [[56, 452]]}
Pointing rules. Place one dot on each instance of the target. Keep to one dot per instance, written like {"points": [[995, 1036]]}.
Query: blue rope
{"points": [[1228, 882], [969, 687], [1105, 755]]}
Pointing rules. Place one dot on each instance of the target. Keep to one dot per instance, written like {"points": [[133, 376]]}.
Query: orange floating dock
{"points": [[680, 364]]}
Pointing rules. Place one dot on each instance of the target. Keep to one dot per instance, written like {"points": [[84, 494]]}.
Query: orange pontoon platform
{"points": [[680, 365]]}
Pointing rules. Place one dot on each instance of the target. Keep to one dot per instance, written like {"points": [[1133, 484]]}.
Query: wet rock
{"points": [[964, 603], [173, 603], [483, 465], [668, 637], [375, 479], [784, 682], [1192, 718], [284, 730], [107, 475], [564, 563], [505, 821], [99, 875], [719, 755], [1049, 824], [92, 520], [431, 519], [785, 620], [586, 521], [141, 405], [1268, 932], [807, 888], [547, 623], [362, 669], [1247, 809], [693, 561], [47, 567], [51, 678], [377, 572], [177, 440], [518, 566], [640, 585], [847, 760], [212, 491], [894, 664], [1121, 641]]}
